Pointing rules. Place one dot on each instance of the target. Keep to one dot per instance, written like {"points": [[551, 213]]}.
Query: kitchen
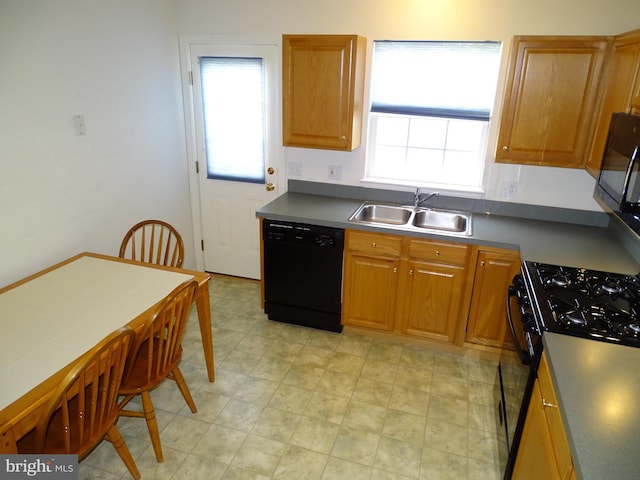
{"points": [[97, 60]]}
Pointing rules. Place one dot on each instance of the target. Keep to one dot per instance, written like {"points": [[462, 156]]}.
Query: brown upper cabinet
{"points": [[553, 87], [323, 90], [621, 94]]}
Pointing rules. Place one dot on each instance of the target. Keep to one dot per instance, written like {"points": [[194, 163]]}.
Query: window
{"points": [[234, 117], [430, 109]]}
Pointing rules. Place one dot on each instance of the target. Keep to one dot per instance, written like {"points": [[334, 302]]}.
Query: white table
{"points": [[50, 319]]}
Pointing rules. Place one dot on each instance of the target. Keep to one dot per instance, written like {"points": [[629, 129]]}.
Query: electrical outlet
{"points": [[295, 169], [509, 189], [335, 172]]}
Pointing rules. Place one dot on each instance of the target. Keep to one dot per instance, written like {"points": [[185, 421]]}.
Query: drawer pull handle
{"points": [[546, 404]]}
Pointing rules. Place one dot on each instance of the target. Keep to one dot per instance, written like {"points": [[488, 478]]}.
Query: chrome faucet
{"points": [[417, 201]]}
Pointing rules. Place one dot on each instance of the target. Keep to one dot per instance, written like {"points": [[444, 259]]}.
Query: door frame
{"points": [[186, 42]]}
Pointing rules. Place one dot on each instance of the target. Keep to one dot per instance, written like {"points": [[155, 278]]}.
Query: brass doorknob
{"points": [[270, 187]]}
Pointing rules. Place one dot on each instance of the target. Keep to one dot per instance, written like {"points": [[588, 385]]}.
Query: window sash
{"points": [[233, 105]]}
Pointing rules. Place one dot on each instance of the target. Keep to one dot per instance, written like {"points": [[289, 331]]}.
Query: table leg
{"points": [[7, 439], [204, 318]]}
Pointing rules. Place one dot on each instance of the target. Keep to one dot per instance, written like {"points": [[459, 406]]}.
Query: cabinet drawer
{"points": [[441, 252], [374, 243]]}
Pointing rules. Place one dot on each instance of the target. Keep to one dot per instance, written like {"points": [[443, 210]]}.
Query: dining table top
{"points": [[50, 319]]}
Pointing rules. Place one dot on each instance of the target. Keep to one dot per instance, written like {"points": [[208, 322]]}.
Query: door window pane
{"points": [[234, 117]]}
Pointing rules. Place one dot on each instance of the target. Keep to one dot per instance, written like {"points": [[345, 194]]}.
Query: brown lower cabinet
{"points": [[424, 287], [544, 450], [494, 271]]}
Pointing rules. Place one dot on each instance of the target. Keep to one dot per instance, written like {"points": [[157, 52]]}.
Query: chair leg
{"points": [[113, 435], [176, 374], [152, 424]]}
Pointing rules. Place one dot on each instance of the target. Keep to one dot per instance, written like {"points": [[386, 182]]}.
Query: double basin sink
{"points": [[406, 217]]}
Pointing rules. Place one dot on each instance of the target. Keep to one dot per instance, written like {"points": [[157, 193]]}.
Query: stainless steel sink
{"points": [[379, 213], [441, 220], [404, 217]]}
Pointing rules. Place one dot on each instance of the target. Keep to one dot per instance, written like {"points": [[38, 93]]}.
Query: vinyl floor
{"points": [[291, 402]]}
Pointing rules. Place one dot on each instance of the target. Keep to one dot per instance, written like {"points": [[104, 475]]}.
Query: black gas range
{"points": [[584, 303]]}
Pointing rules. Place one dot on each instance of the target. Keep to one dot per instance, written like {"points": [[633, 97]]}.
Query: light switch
{"points": [[79, 126]]}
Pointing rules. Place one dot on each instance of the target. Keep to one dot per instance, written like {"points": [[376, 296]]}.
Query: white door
{"points": [[238, 149]]}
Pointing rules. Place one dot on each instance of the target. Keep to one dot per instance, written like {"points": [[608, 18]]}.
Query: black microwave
{"points": [[618, 186]]}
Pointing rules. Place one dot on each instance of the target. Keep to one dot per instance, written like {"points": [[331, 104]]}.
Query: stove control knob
{"points": [[529, 324]]}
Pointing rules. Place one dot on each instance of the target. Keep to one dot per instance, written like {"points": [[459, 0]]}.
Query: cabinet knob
{"points": [[482, 264], [411, 272], [270, 187], [395, 269], [343, 138], [270, 171], [373, 244], [438, 253], [505, 148], [546, 404]]}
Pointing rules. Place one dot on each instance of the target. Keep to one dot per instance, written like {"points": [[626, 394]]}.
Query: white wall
{"points": [[431, 20], [117, 63]]}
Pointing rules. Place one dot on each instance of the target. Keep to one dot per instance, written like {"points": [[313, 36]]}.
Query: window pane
{"points": [[233, 105], [428, 132], [393, 131], [464, 135]]}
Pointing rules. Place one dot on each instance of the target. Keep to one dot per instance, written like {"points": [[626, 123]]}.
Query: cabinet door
{"points": [[487, 316], [619, 93], [552, 89], [535, 458], [323, 86], [557, 432], [370, 285], [433, 295]]}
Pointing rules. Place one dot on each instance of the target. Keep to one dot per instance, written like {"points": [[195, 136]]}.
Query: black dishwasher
{"points": [[303, 274]]}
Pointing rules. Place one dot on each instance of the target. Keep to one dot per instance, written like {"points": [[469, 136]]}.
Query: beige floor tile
{"points": [[276, 424], [358, 446], [259, 455], [300, 463], [365, 416], [330, 408], [372, 392], [219, 443], [404, 426], [338, 469], [439, 465], [315, 434], [399, 457]]}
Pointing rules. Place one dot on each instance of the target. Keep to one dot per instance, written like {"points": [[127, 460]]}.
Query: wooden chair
{"points": [[84, 409], [156, 357], [153, 241]]}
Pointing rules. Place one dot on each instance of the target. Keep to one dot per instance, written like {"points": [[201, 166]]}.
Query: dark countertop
{"points": [[551, 242], [598, 387]]}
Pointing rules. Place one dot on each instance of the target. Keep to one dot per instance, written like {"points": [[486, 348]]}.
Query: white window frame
{"points": [[378, 179]]}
